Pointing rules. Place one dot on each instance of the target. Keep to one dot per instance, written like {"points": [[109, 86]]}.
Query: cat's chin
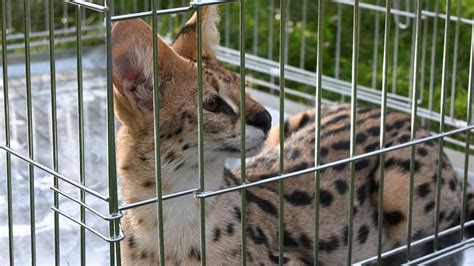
{"points": [[235, 153]]}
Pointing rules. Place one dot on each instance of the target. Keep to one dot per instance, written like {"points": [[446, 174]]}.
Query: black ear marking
{"points": [[187, 28], [185, 43]]}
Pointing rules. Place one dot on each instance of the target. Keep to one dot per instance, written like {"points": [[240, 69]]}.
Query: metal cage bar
{"points": [[304, 14], [383, 117], [281, 188], [114, 231], [227, 26], [317, 129], [156, 131], [395, 58], [433, 57], [415, 243], [256, 18], [243, 172], [423, 58], [376, 48], [353, 129], [80, 111], [85, 206], [202, 206], [414, 109], [155, 200], [54, 130], [412, 58], [468, 135], [270, 30], [6, 111], [89, 5], [436, 256], [441, 120], [283, 72], [455, 59], [29, 112], [52, 172]]}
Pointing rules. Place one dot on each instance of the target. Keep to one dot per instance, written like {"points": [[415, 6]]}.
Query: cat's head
{"points": [[132, 52]]}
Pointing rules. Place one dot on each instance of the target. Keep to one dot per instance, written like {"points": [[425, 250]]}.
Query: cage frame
{"points": [[116, 210]]}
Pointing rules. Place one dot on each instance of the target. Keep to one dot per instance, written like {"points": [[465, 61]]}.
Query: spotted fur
{"points": [[335, 140], [133, 72]]}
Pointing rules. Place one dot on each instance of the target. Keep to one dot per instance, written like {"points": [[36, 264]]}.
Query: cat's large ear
{"points": [[132, 56], [186, 42]]}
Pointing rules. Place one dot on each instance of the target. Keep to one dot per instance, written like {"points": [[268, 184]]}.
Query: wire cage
{"points": [[60, 200]]}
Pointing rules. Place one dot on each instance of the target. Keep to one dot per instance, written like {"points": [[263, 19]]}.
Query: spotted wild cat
{"points": [[132, 63]]}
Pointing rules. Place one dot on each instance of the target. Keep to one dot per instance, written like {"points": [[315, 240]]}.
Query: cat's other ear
{"points": [[132, 57], [186, 42]]}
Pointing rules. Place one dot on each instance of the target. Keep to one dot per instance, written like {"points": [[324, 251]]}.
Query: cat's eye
{"points": [[211, 103]]}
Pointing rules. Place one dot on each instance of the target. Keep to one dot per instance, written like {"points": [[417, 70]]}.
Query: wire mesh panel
{"points": [[60, 189], [44, 151]]}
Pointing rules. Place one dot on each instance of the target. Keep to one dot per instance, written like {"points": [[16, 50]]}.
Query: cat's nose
{"points": [[262, 120]]}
